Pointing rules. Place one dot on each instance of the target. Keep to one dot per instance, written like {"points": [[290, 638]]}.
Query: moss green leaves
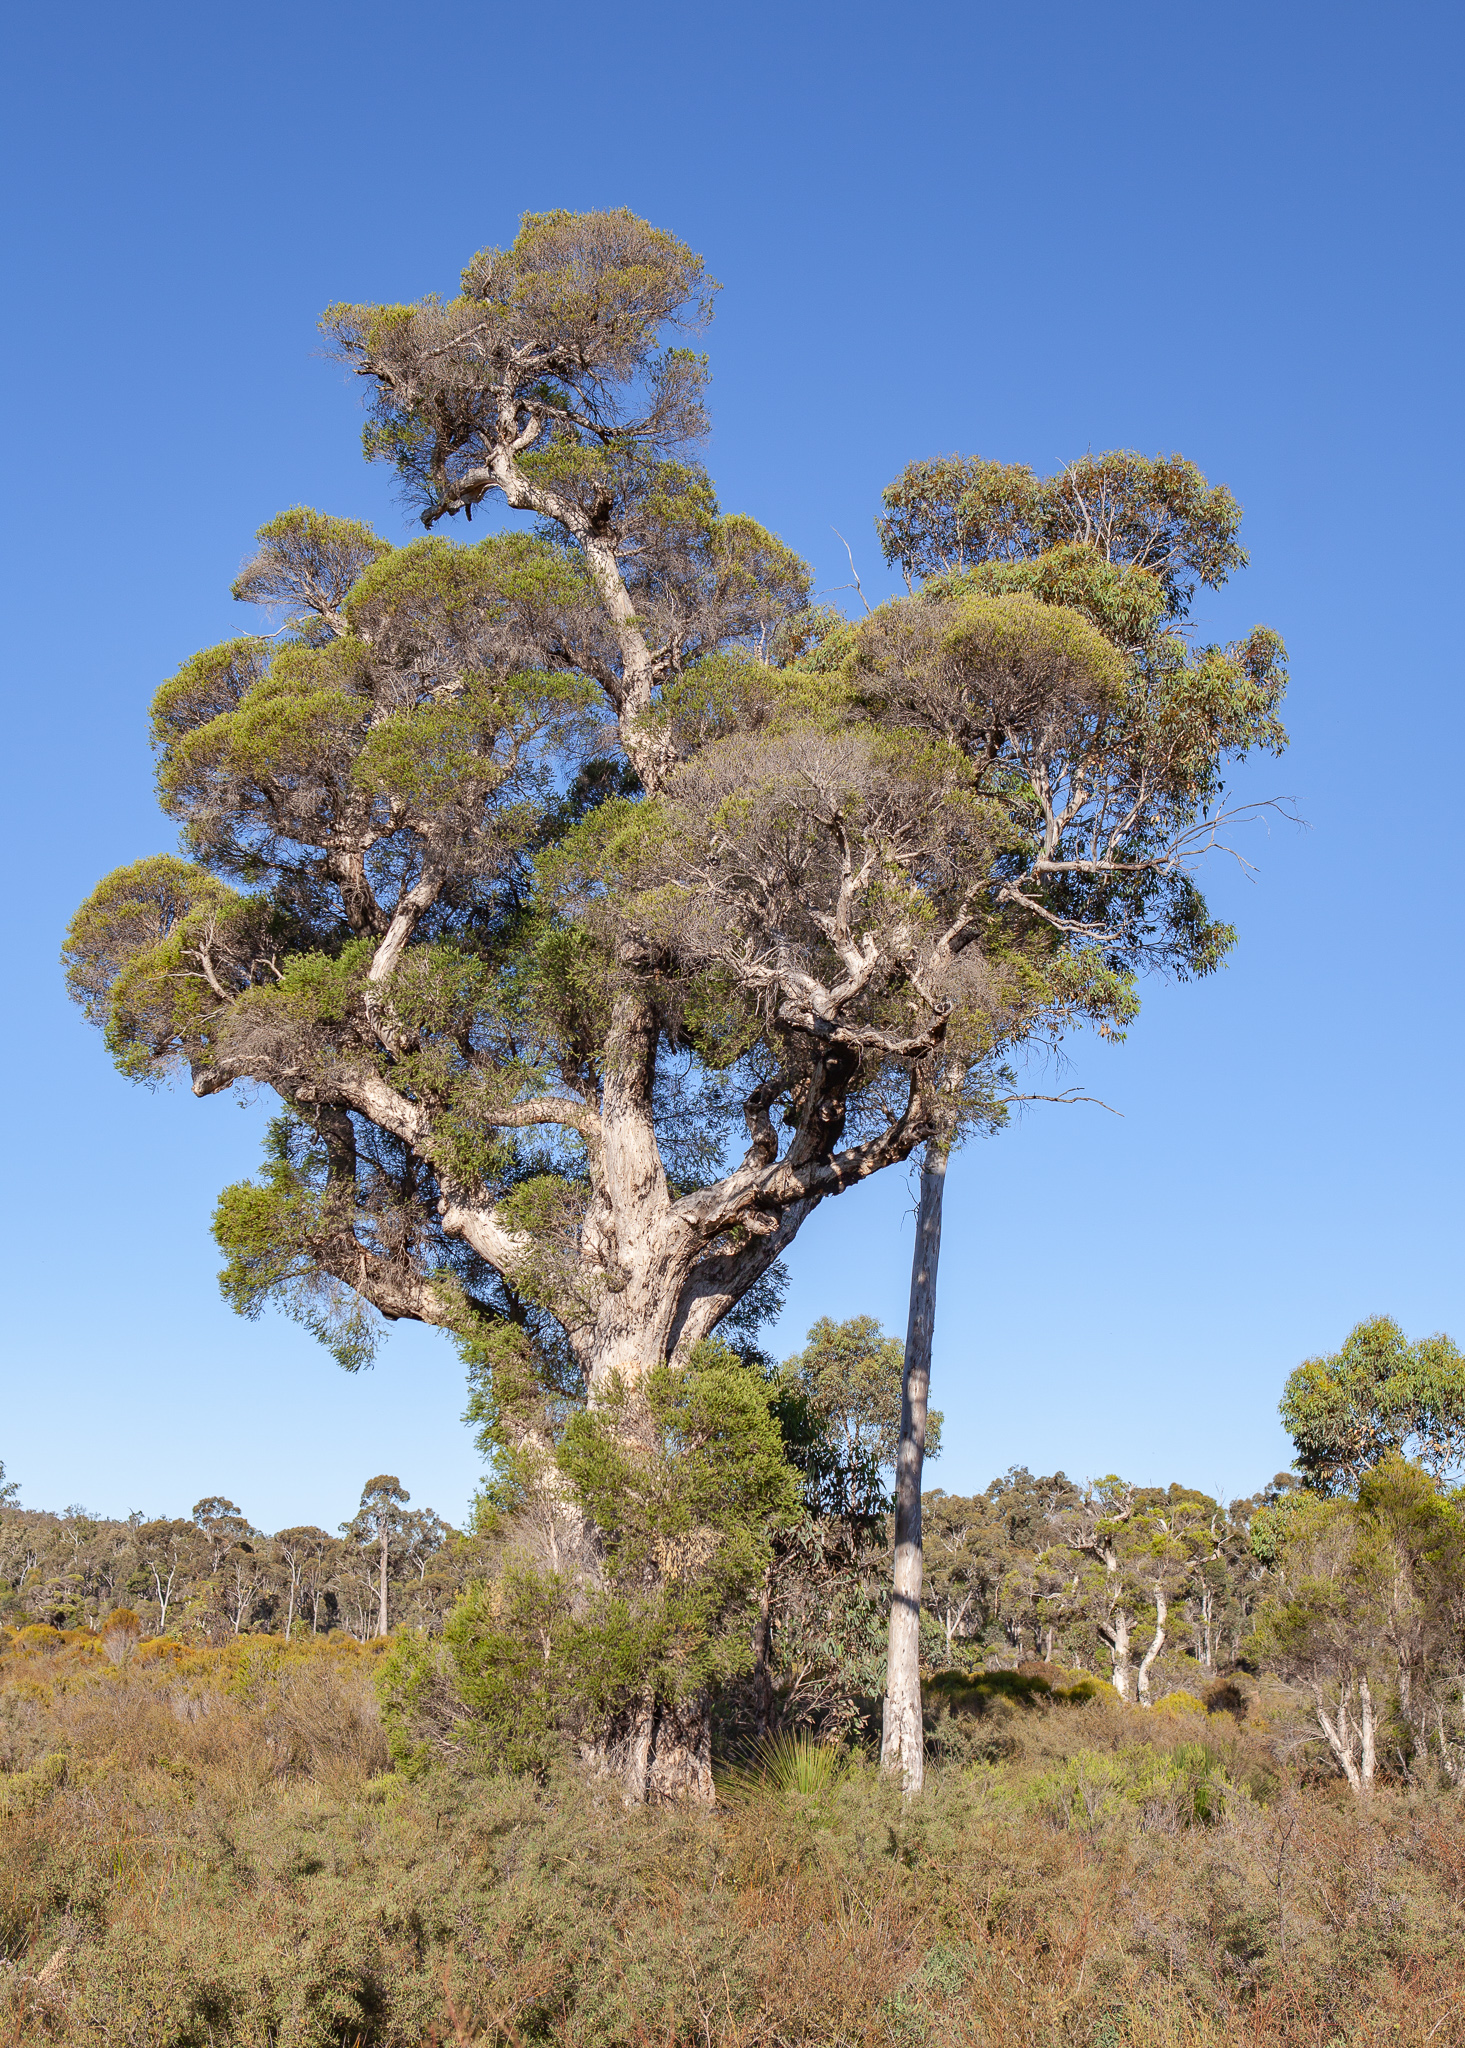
{"points": [[1157, 514], [157, 952], [207, 687], [565, 333], [305, 564]]}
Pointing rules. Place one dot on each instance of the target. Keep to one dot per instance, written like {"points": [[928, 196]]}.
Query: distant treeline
{"points": [[1154, 1588], [215, 1575]]}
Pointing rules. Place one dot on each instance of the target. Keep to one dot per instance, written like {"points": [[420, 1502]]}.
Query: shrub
{"points": [[198, 1879], [684, 1480], [798, 1761], [1179, 1703]]}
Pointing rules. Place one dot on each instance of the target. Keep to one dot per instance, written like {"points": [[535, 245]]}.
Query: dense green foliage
{"points": [[1378, 1394], [686, 1487], [526, 977]]}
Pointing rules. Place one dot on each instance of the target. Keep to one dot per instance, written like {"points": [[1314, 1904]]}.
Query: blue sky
{"points": [[1017, 232]]}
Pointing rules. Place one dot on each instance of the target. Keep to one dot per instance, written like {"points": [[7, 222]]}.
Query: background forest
{"points": [[1343, 1583]]}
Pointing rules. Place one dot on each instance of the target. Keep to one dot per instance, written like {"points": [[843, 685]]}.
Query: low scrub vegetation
{"points": [[207, 1848]]}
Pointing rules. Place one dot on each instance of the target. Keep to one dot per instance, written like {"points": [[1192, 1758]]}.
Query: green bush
{"points": [[684, 1481]]}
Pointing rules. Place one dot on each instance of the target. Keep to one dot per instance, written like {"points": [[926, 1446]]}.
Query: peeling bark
{"points": [[658, 1754]]}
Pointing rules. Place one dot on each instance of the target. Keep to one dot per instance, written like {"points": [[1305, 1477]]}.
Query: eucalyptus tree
{"points": [[301, 1552], [506, 1095], [1378, 1395], [1043, 643], [163, 1549], [384, 1528]]}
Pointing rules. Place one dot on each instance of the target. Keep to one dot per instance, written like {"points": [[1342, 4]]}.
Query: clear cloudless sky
{"points": [[1017, 231]]}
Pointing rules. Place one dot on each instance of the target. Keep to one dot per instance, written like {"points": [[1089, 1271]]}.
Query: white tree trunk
{"points": [[1161, 1611], [1339, 1736], [1367, 1760], [902, 1746], [1354, 1745], [1116, 1635]]}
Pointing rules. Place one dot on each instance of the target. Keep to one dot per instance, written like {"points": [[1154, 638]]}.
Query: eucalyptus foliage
{"points": [[1378, 1396]]}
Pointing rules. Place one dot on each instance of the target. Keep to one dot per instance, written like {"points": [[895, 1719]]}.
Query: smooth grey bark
{"points": [[903, 1744]]}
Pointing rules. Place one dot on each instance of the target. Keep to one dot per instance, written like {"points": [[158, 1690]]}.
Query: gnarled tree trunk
{"points": [[659, 1753], [1158, 1644]]}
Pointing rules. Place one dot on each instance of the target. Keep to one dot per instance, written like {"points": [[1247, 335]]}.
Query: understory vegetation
{"points": [[208, 1847]]}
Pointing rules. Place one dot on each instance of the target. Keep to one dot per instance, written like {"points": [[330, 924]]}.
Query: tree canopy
{"points": [[594, 903], [1378, 1396]]}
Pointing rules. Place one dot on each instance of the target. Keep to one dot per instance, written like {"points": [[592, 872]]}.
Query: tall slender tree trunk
{"points": [[903, 1744], [381, 1618]]}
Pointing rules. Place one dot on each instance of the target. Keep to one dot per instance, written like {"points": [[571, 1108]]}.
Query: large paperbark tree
{"points": [[591, 918]]}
